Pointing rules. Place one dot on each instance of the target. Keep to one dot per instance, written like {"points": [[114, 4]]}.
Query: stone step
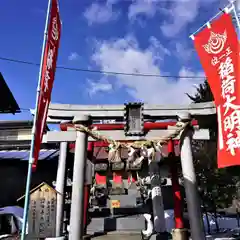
{"points": [[119, 237], [123, 236], [130, 223]]}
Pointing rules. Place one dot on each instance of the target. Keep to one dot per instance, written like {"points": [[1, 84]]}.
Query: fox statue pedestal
{"points": [[180, 234]]}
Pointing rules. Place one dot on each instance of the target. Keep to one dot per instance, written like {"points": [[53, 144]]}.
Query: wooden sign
{"points": [[42, 212], [115, 203]]}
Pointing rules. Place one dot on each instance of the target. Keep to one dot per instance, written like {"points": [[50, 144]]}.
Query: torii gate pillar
{"points": [[60, 187], [76, 230], [190, 184]]}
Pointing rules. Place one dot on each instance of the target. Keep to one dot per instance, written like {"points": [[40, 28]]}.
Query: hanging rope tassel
{"points": [[142, 154], [154, 153], [157, 153], [114, 154], [132, 154]]}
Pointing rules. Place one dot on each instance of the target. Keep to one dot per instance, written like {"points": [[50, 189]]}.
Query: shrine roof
{"points": [[45, 154], [8, 104]]}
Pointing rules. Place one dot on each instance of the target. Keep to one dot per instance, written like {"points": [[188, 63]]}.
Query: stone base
{"points": [[86, 237], [117, 224], [55, 238], [180, 234], [160, 236], [117, 190]]}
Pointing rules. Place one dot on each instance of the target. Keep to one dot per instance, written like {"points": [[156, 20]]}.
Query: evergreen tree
{"points": [[203, 94]]}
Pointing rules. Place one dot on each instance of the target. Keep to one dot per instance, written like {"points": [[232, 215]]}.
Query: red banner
{"points": [[48, 73], [217, 47]]}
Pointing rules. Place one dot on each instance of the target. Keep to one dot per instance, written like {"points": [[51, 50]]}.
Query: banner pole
{"points": [[235, 12], [209, 21], [31, 153]]}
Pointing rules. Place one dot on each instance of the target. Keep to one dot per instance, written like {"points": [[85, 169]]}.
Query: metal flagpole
{"points": [[31, 154], [220, 12], [236, 12]]}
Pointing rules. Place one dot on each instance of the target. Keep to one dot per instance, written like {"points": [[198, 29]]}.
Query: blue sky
{"points": [[141, 36]]}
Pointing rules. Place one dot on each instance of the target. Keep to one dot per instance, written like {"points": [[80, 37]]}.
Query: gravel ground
{"points": [[138, 237]]}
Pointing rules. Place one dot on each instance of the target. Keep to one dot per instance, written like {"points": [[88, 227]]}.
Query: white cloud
{"points": [[180, 14], [185, 72], [183, 52], [131, 59], [99, 86], [73, 56], [100, 13], [138, 7]]}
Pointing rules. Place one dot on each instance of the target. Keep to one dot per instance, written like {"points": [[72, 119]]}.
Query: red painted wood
{"points": [[116, 126], [178, 209]]}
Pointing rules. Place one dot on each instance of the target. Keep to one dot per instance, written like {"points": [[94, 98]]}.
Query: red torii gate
{"points": [[83, 115], [171, 150]]}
